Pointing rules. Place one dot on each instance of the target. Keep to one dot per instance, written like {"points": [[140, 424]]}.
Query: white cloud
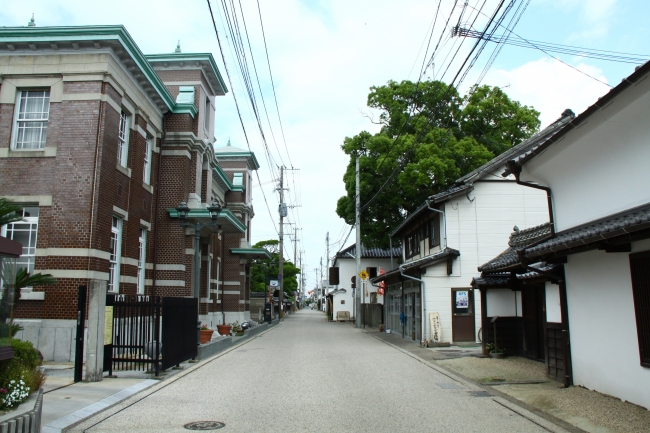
{"points": [[551, 86]]}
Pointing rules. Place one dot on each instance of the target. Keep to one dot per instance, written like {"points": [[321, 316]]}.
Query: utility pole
{"points": [[327, 265], [295, 244], [357, 228], [283, 213]]}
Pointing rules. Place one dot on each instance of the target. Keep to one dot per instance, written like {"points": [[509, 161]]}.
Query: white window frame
{"points": [[27, 258], [45, 117], [142, 259], [209, 276], [123, 139], [147, 161], [115, 255]]}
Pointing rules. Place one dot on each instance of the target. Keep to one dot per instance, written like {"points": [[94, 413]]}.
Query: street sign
{"points": [[364, 275], [274, 283]]}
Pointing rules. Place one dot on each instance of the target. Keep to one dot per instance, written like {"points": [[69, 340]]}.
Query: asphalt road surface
{"points": [[308, 375]]}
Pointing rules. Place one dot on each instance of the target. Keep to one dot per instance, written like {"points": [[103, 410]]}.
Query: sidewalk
{"points": [[66, 404], [524, 382]]}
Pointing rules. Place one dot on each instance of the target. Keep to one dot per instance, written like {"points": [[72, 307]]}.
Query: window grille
{"points": [[142, 258]]}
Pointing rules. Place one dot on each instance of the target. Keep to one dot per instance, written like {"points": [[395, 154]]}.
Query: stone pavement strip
{"points": [[309, 375]]}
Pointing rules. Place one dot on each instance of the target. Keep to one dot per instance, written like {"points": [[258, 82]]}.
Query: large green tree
{"points": [[268, 269], [430, 136]]}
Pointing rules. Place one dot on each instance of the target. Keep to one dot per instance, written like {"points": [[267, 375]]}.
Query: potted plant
{"points": [[382, 328], [224, 329], [237, 329], [494, 351], [205, 334]]}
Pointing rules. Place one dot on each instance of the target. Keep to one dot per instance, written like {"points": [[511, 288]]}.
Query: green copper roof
{"points": [[258, 253], [192, 57], [226, 218], [222, 176], [92, 34]]}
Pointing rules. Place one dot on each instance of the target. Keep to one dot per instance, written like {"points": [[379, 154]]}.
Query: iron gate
{"points": [[140, 325]]}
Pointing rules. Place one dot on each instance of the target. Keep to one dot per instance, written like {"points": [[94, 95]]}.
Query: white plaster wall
{"points": [[553, 309], [604, 162], [479, 227], [604, 344], [502, 303]]}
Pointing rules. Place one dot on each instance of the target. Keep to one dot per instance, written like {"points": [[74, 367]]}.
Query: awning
{"points": [[252, 253], [228, 222]]}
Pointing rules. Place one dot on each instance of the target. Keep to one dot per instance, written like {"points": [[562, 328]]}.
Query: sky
{"points": [[324, 56]]}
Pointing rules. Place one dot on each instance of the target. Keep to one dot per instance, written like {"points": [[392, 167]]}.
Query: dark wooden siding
{"points": [[640, 272]]}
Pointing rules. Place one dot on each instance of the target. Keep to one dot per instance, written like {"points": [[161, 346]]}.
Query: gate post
{"points": [[96, 317]]}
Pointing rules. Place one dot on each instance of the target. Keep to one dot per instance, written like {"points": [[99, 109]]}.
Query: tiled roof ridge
{"points": [[521, 238]]}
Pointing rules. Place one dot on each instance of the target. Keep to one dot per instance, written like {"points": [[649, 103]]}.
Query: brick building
{"points": [[99, 143]]}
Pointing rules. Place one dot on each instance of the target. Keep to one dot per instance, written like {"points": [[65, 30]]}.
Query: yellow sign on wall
{"points": [[108, 326], [364, 275]]}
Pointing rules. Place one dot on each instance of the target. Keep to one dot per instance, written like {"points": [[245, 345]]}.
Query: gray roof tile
{"points": [[629, 221]]}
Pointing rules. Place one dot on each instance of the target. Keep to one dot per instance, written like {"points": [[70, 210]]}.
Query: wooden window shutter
{"points": [[640, 272]]}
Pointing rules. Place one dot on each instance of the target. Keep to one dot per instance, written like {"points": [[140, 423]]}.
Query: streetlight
{"points": [[183, 212]]}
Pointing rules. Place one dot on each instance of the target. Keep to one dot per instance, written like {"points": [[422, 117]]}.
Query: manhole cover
{"points": [[204, 425], [479, 393]]}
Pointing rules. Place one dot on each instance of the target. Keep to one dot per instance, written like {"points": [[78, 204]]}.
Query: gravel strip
{"points": [[588, 410]]}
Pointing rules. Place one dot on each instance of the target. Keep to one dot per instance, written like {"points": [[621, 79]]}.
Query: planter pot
{"points": [[205, 335], [224, 329], [497, 355]]}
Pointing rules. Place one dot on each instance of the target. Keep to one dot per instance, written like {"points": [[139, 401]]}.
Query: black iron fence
{"points": [[149, 333]]}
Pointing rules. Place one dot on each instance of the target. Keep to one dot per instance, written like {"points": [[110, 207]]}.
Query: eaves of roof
{"points": [[619, 225], [96, 34], [205, 59], [223, 180], [603, 101], [432, 259], [410, 218], [367, 253]]}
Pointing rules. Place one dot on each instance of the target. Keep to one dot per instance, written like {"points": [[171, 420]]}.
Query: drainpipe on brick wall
{"points": [[92, 205], [155, 217]]}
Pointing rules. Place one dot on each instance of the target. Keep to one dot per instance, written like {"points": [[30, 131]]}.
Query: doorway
{"points": [[462, 317], [534, 313]]}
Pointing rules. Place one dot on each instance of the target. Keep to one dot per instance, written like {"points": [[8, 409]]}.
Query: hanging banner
{"points": [[382, 285], [462, 299]]}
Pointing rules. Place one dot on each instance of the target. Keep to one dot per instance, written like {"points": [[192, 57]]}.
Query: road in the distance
{"points": [[308, 375]]}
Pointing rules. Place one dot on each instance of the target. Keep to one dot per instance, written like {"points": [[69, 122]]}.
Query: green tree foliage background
{"points": [[430, 136], [270, 266]]}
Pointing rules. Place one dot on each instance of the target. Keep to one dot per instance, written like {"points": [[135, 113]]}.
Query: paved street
{"points": [[310, 375]]}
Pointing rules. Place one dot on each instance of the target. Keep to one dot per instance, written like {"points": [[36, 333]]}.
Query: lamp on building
{"points": [[183, 212]]}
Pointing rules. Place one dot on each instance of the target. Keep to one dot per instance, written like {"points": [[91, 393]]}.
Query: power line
{"points": [[272, 83], [232, 89]]}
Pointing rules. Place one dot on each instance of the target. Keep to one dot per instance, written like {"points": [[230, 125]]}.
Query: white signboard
{"points": [[274, 283]]}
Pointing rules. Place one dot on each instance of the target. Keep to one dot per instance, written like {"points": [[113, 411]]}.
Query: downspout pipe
{"points": [[424, 304], [515, 169], [444, 220]]}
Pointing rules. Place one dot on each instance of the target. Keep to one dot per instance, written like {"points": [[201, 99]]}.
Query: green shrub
{"points": [[25, 365]]}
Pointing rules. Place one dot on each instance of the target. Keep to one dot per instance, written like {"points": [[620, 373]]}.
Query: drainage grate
{"points": [[479, 394], [204, 425]]}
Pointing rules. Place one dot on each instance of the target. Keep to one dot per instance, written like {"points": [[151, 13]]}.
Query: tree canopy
{"points": [[430, 136], [268, 269]]}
